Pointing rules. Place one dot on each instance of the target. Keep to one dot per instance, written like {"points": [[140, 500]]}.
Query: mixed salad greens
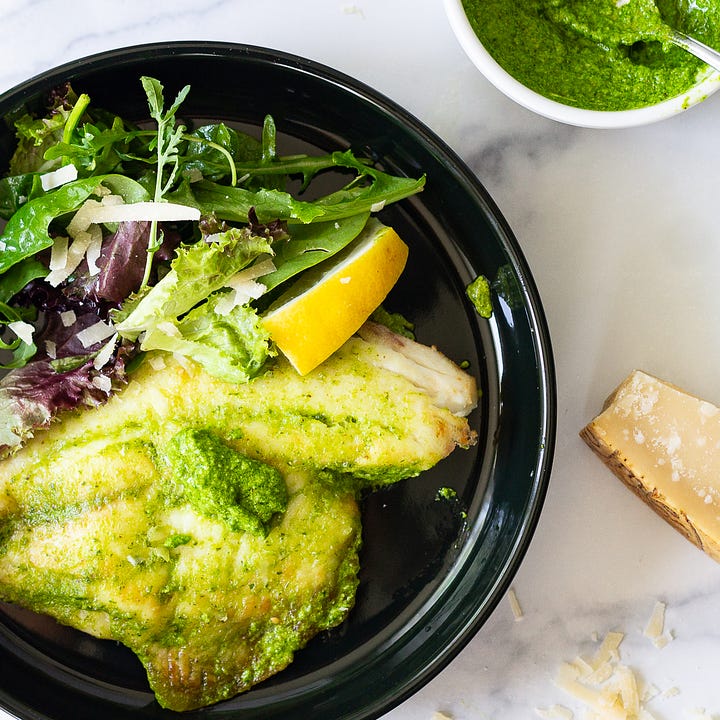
{"points": [[120, 239]]}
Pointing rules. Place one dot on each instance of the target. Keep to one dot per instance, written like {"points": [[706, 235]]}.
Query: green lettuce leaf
{"points": [[197, 271], [233, 347], [35, 136]]}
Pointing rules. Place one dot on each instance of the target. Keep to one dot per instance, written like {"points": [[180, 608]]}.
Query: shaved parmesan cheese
{"points": [[656, 623], [608, 650], [112, 200], [515, 605], [249, 290], [129, 212], [23, 330], [628, 689], [606, 688], [73, 258], [438, 715], [655, 629], [82, 219], [105, 353], [68, 317], [264, 267], [95, 333], [700, 714], [555, 712], [103, 383], [85, 216], [243, 286], [378, 206], [157, 362], [56, 178], [94, 249], [58, 253], [51, 349]]}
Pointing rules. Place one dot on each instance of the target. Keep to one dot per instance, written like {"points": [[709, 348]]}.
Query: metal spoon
{"points": [[695, 47]]}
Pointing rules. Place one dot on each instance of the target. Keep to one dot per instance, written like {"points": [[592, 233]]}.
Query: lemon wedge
{"points": [[332, 300]]}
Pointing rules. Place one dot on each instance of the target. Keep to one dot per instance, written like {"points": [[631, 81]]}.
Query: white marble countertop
{"points": [[620, 229]]}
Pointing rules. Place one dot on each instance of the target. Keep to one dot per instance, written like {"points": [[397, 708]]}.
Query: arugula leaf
{"points": [[196, 271], [166, 143], [233, 347], [211, 153], [97, 149], [168, 135], [234, 204], [26, 232]]}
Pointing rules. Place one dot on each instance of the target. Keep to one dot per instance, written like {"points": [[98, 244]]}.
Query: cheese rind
{"points": [[664, 444]]}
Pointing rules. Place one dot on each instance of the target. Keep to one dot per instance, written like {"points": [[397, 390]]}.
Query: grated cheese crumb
{"points": [[68, 318], [515, 605], [102, 382], [555, 712], [157, 362], [95, 333], [699, 714], [655, 628], [23, 330], [101, 359], [656, 623], [94, 250]]}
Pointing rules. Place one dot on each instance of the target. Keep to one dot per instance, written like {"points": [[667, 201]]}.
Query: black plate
{"points": [[430, 575]]}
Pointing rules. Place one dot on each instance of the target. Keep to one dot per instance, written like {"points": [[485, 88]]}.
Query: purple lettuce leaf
{"points": [[31, 396], [121, 263]]}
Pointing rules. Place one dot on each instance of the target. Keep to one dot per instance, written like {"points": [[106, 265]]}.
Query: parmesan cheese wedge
{"points": [[664, 444]]}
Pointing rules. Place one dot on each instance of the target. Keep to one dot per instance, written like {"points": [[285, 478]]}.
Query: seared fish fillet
{"points": [[100, 530]]}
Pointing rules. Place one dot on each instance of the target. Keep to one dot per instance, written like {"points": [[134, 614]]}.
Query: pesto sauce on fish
{"points": [[212, 527], [222, 483]]}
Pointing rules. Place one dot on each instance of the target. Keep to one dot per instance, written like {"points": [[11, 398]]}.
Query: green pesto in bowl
{"points": [[597, 54]]}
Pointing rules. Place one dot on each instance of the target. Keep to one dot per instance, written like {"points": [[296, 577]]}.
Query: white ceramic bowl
{"points": [[542, 105]]}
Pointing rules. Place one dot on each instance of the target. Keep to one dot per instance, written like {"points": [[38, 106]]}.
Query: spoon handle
{"points": [[698, 49]]}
